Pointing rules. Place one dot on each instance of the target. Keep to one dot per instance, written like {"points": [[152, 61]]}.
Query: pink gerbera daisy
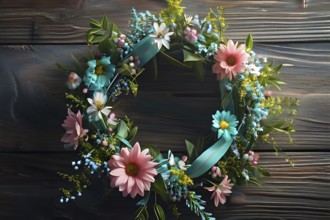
{"points": [[74, 129], [230, 60], [221, 191], [132, 171]]}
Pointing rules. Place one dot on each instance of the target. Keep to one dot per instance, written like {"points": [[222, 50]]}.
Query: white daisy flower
{"points": [[98, 107], [161, 35], [253, 69]]}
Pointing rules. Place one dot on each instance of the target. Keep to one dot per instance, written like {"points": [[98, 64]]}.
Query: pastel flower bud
{"points": [[218, 172], [120, 43], [268, 93], [85, 90], [245, 156], [184, 158], [131, 64], [214, 175], [213, 169], [105, 143]]}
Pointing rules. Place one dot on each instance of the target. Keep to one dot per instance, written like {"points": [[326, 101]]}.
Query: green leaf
{"points": [[142, 213], [95, 23], [173, 61], [159, 187], [199, 69], [122, 129], [153, 151], [105, 23], [124, 141], [249, 43], [97, 39], [190, 148], [90, 38], [277, 68], [94, 31], [132, 133], [159, 212], [105, 46], [190, 56], [254, 181]]}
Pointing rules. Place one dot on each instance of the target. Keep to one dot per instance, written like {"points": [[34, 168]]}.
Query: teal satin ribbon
{"points": [[208, 158], [145, 50]]}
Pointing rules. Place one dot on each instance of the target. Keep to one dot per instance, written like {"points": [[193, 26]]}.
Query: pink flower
{"points": [[132, 171], [74, 129], [215, 172], [268, 93], [190, 35], [221, 191], [230, 60]]}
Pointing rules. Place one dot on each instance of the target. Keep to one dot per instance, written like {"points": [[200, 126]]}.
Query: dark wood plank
{"points": [[29, 184], [267, 20], [41, 4], [168, 110]]}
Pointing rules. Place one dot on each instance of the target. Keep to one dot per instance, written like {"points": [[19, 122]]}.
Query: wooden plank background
{"points": [[36, 34]]}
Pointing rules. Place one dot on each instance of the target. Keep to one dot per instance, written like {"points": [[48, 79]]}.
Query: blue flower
{"points": [[225, 123], [99, 73]]}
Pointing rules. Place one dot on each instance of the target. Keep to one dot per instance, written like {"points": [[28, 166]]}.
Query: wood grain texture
{"points": [[267, 20], [168, 110]]}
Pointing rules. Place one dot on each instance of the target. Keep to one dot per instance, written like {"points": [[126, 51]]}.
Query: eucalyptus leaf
{"points": [[124, 141], [122, 129]]}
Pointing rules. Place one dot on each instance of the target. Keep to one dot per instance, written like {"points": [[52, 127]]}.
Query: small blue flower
{"points": [[99, 73], [225, 123]]}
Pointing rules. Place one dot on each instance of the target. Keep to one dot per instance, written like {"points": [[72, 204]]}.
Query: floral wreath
{"points": [[247, 114]]}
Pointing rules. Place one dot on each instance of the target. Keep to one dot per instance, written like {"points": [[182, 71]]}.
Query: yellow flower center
{"points": [[223, 125], [231, 61], [99, 104], [99, 69], [132, 169]]}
